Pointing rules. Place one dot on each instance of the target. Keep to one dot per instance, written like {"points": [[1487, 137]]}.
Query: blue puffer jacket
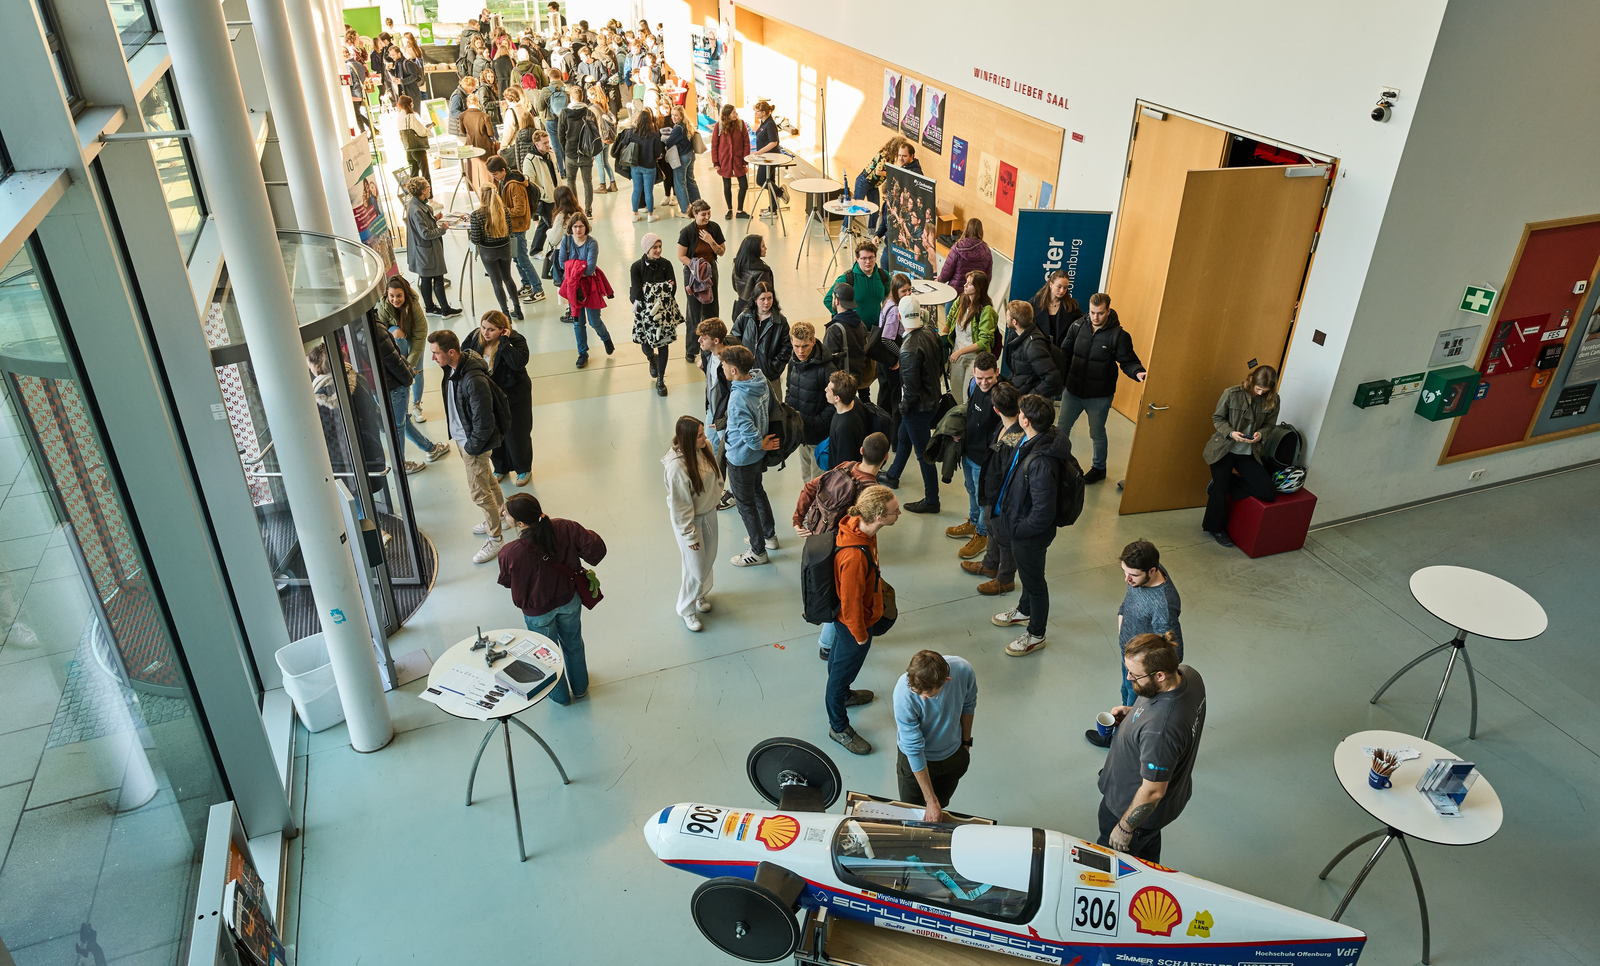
{"points": [[749, 403]]}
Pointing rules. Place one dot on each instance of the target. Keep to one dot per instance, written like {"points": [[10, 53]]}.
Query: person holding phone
{"points": [[1243, 414]]}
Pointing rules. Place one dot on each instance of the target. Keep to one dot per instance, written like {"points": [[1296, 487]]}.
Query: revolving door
{"points": [[336, 284]]}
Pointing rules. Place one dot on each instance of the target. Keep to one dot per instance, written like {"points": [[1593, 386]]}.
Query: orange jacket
{"points": [[856, 578]]}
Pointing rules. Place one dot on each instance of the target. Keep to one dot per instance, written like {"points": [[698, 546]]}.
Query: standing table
{"points": [[504, 714], [849, 211], [1405, 811], [813, 186], [772, 162], [930, 292], [465, 153], [1472, 602]]}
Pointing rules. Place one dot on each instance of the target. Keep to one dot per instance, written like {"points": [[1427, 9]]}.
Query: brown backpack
{"points": [[837, 490]]}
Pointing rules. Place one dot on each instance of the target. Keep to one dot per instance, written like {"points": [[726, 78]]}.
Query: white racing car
{"points": [[1028, 892]]}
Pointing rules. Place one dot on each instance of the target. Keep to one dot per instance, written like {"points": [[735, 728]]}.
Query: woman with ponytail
{"points": [[693, 487], [540, 568]]}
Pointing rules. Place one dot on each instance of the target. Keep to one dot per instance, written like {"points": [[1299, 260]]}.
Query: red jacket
{"points": [[584, 292], [539, 585], [728, 150], [856, 579]]}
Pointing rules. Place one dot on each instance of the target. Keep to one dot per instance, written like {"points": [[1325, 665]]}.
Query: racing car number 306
{"points": [[1095, 911], [703, 820]]}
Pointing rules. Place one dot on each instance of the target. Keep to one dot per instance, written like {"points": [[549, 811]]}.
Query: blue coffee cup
{"points": [[1106, 722], [1378, 781]]}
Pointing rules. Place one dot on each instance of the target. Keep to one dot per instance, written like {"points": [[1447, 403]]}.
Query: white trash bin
{"points": [[308, 678]]}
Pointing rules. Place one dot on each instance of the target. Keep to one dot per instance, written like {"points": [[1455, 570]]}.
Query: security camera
{"points": [[1383, 111]]}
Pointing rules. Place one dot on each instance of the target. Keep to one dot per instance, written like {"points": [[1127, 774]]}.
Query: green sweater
{"points": [[870, 292]]}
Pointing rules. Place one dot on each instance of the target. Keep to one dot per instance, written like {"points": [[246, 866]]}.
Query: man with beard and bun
{"points": [[1149, 773]]}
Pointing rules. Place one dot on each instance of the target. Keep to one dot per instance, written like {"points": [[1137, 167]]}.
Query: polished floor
{"points": [[392, 868]]}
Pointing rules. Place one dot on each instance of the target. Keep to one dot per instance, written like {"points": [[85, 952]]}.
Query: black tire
{"points": [[745, 920], [769, 759]]}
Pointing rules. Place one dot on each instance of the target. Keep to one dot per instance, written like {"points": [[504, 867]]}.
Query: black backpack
{"points": [[875, 419], [784, 421], [1058, 356], [1069, 489], [589, 142], [819, 596]]}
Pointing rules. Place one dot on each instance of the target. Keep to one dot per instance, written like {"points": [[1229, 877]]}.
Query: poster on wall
{"points": [[1573, 401], [1586, 363], [710, 77], [1027, 191], [958, 161], [908, 204], [1069, 241], [911, 109], [1047, 192], [361, 177], [1005, 191], [891, 99], [933, 121], [988, 171]]}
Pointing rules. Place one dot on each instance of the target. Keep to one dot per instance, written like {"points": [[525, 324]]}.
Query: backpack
{"points": [[784, 421], [819, 595], [589, 138], [1069, 489], [558, 101], [875, 418], [837, 490], [1058, 356]]}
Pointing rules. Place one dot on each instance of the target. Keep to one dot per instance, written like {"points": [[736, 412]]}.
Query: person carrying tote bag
{"points": [[544, 570]]}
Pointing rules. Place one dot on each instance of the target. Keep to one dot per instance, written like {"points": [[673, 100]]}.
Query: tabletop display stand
{"points": [[1474, 603], [1405, 811]]}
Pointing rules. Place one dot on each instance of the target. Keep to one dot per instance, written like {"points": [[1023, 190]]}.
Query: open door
{"points": [[1239, 257], [1165, 148]]}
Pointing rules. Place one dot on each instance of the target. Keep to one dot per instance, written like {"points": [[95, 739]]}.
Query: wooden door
{"points": [[1162, 154], [1239, 257]]}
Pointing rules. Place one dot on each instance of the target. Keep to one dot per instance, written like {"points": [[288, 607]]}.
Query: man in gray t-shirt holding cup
{"points": [[1150, 606], [1148, 775]]}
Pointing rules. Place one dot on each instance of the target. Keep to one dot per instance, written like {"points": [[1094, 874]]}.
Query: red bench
{"points": [[1262, 529]]}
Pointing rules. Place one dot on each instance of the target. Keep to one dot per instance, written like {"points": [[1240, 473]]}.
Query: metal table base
{"points": [[815, 215], [504, 725], [1389, 835], [1459, 643], [773, 210]]}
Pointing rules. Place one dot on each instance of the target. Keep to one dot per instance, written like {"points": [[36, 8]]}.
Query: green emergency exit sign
{"points": [[1477, 300]]}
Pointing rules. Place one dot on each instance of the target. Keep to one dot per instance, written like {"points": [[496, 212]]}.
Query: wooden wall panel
{"points": [[787, 68]]}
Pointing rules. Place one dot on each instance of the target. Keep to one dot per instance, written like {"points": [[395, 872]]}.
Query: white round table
{"points": [[465, 153], [813, 186], [931, 292], [849, 211], [1472, 602], [772, 162], [1404, 811], [547, 655]]}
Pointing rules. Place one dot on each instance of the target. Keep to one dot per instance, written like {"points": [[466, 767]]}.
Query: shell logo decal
{"points": [[1154, 911], [777, 832], [1158, 868]]}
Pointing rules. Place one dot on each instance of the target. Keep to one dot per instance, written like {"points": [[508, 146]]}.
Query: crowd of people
{"points": [[991, 387]]}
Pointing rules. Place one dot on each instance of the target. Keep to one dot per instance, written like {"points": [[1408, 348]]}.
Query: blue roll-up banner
{"points": [[1071, 240]]}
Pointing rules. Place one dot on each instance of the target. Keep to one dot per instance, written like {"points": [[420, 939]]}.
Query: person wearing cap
{"points": [[850, 342], [653, 290], [921, 365], [869, 284]]}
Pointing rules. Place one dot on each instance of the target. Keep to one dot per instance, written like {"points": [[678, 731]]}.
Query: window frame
{"points": [[166, 81], [76, 102]]}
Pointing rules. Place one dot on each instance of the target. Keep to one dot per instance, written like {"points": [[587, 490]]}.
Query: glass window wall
{"points": [[174, 164], [106, 772], [135, 23]]}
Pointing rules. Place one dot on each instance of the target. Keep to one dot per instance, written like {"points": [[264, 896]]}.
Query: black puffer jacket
{"points": [[806, 391], [769, 340], [469, 391], [1032, 368], [921, 358], [1093, 356], [1027, 502], [569, 130], [852, 343], [396, 371], [510, 369]]}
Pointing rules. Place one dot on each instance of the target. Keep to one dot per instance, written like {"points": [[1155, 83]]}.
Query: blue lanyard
{"points": [[1000, 500]]}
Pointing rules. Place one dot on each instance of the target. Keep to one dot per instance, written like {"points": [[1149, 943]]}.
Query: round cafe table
{"points": [[1404, 811], [466, 154], [849, 211], [540, 650], [1472, 602], [813, 186], [772, 162]]}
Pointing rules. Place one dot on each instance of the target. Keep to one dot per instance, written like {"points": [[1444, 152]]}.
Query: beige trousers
{"points": [[484, 488]]}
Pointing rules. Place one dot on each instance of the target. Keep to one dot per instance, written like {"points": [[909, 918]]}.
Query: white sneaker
{"points": [[638, 216], [416, 413], [772, 543], [1010, 617], [653, 217], [482, 528], [1026, 644], [413, 467], [487, 552], [703, 606], [439, 452], [750, 559], [693, 623]]}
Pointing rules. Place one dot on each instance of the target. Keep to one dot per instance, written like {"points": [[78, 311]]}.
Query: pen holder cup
{"points": [[1378, 781]]}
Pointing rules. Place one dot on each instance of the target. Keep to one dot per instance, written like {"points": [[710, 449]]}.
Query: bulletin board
{"points": [[368, 21], [787, 66], [1539, 362]]}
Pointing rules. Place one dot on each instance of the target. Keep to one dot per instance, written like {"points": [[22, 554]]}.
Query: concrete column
{"points": [[311, 202], [202, 64], [304, 27]]}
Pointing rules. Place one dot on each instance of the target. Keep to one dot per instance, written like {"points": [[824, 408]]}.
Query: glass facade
{"points": [[135, 23], [176, 167], [106, 769]]}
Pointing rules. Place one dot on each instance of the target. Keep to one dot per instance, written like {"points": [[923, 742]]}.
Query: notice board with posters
{"points": [[788, 65], [1539, 363]]}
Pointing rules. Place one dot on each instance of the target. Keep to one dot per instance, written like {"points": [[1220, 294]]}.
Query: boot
{"points": [[994, 588], [661, 386]]}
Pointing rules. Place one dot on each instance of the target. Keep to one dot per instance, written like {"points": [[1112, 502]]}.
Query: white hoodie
{"points": [[682, 502]]}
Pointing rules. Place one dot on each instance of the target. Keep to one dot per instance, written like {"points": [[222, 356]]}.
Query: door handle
{"points": [[1159, 409]]}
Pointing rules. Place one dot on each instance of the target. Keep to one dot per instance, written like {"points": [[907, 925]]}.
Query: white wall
{"points": [[1505, 134]]}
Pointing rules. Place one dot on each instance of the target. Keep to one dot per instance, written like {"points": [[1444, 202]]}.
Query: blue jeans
{"points": [[606, 174], [844, 663], [555, 142], [591, 316], [684, 184], [564, 625], [519, 254], [969, 476], [867, 192], [1098, 407], [644, 188], [402, 419], [914, 428], [416, 383]]}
